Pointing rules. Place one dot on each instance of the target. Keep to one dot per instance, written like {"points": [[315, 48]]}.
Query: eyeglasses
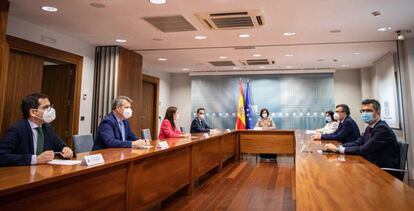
{"points": [[201, 113], [366, 110], [47, 107]]}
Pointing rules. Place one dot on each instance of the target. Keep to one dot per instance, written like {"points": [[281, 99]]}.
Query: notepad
{"points": [[64, 162], [310, 132]]}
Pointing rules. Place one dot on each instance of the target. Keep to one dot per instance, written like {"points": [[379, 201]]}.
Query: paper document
{"points": [[145, 147], [308, 132], [64, 162]]}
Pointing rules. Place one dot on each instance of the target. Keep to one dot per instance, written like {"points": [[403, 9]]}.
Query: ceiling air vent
{"points": [[222, 63], [258, 62], [231, 20], [175, 23]]}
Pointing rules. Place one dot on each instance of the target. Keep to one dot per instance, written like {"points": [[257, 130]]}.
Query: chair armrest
{"points": [[397, 170]]}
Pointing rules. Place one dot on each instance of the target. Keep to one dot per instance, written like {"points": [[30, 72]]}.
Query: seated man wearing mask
{"points": [[32, 140], [198, 125], [347, 131], [378, 144], [114, 131]]}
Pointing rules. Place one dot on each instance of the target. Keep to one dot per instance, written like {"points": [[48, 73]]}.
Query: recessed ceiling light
{"points": [[345, 65], [162, 59], [223, 57], [120, 40], [244, 35], [158, 1], [262, 67], [97, 5], [185, 69], [289, 66], [383, 29], [376, 13], [200, 37], [49, 9], [236, 68], [356, 53], [257, 55], [289, 55], [289, 33]]}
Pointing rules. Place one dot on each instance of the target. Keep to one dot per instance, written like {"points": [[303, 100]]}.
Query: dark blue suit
{"points": [[378, 146], [17, 146], [109, 135], [198, 126], [347, 131]]}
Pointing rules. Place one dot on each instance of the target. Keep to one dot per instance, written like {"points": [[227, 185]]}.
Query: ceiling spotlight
{"points": [[401, 33], [289, 66], [376, 13], [162, 59], [49, 9], [345, 65], [257, 55], [383, 29], [158, 1], [200, 37], [186, 69], [223, 57], [244, 35], [289, 55], [289, 33], [356, 53], [236, 68], [262, 67], [120, 40]]}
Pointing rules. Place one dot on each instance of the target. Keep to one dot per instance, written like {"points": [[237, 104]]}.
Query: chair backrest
{"points": [[82, 143], [403, 154], [146, 134], [182, 129]]}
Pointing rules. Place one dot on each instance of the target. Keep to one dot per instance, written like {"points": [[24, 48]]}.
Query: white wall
{"points": [[181, 98], [408, 94], [348, 91], [31, 32], [165, 90]]}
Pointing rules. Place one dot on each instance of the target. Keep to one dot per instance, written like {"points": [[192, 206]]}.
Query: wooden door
{"points": [[58, 84], [150, 105], [23, 78]]}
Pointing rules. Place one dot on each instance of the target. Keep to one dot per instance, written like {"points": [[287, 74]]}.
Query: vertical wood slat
{"points": [[4, 57]]}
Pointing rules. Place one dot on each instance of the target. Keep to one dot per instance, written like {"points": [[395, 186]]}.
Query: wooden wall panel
{"points": [[24, 77], [4, 57], [130, 83], [58, 84]]}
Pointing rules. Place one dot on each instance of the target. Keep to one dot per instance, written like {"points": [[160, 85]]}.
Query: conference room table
{"points": [[138, 179]]}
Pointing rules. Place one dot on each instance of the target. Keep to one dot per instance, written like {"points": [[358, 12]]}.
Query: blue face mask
{"points": [[367, 117]]}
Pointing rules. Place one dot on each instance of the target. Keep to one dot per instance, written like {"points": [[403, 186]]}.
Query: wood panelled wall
{"points": [[4, 55], [130, 84]]}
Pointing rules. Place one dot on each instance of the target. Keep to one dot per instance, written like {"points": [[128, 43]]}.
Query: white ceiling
{"points": [[311, 20]]}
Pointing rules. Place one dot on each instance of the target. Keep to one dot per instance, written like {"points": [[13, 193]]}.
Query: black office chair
{"points": [[399, 173], [146, 134]]}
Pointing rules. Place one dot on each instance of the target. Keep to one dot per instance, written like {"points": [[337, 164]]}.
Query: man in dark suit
{"points": [[114, 131], [32, 140], [378, 144], [198, 125], [347, 131]]}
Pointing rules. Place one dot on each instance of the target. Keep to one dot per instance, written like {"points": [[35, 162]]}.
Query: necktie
{"points": [[40, 141], [369, 131], [121, 128]]}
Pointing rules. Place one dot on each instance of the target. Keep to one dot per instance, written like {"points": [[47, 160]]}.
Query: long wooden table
{"points": [[344, 182], [130, 179]]}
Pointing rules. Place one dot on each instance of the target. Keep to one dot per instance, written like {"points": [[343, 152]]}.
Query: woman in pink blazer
{"points": [[168, 128]]}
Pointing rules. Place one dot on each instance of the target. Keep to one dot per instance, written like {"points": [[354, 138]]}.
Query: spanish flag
{"points": [[241, 118]]}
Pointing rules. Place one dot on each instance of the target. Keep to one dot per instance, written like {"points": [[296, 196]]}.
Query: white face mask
{"points": [[265, 115], [177, 116], [127, 113], [202, 116], [49, 115], [336, 116], [328, 119]]}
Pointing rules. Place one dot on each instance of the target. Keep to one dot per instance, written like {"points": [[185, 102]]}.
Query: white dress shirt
{"points": [[34, 131], [329, 128]]}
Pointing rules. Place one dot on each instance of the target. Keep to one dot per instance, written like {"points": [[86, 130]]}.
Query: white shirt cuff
{"points": [[34, 160], [341, 149]]}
